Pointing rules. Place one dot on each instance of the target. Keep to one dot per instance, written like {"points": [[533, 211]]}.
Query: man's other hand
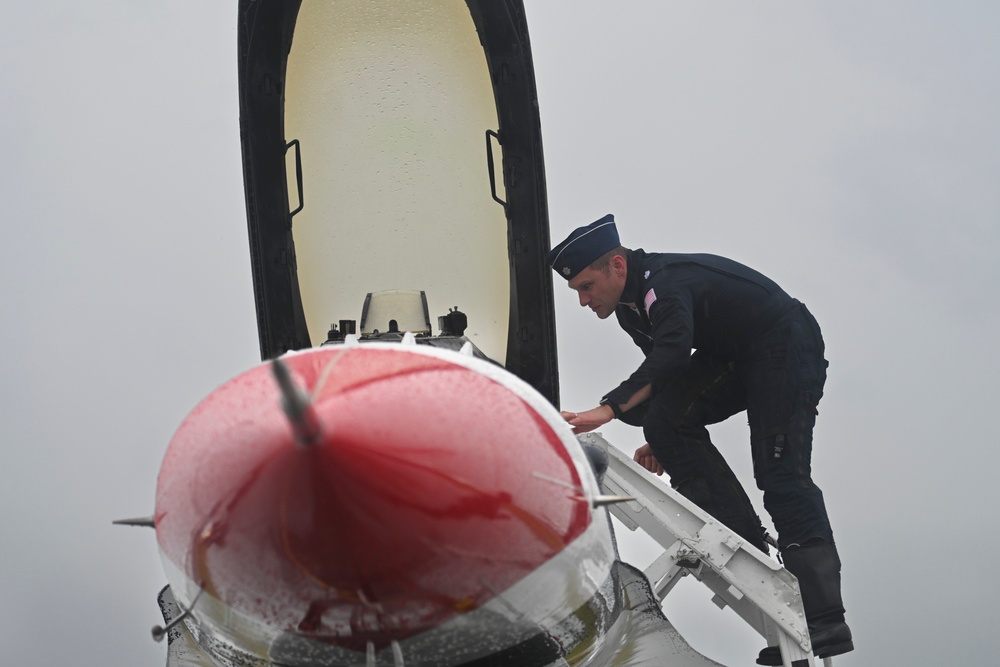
{"points": [[583, 422], [644, 457]]}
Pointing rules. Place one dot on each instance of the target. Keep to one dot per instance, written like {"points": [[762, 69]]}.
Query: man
{"points": [[755, 349]]}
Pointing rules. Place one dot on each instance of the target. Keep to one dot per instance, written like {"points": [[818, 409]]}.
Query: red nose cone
{"points": [[431, 488]]}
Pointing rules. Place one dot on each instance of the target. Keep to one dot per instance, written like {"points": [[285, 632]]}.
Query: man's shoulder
{"points": [[653, 262], [649, 264], [703, 273]]}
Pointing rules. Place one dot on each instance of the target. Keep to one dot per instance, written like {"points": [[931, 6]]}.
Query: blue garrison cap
{"points": [[583, 246]]}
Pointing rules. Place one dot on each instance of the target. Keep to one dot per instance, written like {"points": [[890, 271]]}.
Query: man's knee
{"points": [[668, 426], [659, 423], [782, 460]]}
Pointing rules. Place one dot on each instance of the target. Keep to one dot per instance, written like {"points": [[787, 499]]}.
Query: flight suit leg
{"points": [[784, 376], [674, 424], [784, 379]]}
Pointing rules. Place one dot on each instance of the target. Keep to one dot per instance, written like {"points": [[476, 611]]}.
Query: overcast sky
{"points": [[850, 150]]}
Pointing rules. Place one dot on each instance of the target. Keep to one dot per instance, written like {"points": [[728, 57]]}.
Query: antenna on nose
{"points": [[296, 405]]}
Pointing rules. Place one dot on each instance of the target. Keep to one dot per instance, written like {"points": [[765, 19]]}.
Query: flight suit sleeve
{"points": [[672, 335]]}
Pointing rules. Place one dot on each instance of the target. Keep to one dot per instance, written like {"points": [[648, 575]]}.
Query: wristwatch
{"points": [[614, 408]]}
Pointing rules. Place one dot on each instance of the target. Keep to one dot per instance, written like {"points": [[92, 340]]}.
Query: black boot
{"points": [[817, 567]]}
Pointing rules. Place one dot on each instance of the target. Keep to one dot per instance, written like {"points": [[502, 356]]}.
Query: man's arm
{"points": [[672, 339], [582, 422], [672, 336]]}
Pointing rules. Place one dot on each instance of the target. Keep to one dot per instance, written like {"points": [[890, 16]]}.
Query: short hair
{"points": [[603, 263]]}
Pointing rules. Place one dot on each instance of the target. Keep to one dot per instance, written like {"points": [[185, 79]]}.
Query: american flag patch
{"points": [[648, 301]]}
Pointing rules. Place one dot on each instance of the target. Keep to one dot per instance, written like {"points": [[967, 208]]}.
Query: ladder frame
{"points": [[761, 592]]}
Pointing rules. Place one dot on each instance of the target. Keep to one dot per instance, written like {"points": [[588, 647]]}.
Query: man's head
{"points": [[593, 261]]}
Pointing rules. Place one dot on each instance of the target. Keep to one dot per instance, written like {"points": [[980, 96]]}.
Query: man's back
{"points": [[709, 302]]}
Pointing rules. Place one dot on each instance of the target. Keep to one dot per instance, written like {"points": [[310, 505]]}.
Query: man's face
{"points": [[598, 290]]}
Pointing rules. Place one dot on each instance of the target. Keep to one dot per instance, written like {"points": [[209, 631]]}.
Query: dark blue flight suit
{"points": [[756, 349]]}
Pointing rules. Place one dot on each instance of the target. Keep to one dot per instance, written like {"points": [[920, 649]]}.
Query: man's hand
{"points": [[583, 422], [644, 457]]}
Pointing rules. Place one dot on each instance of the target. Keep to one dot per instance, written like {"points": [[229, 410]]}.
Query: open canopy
{"points": [[396, 146]]}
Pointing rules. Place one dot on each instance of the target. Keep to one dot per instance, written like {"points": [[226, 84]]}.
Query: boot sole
{"points": [[825, 652], [835, 649]]}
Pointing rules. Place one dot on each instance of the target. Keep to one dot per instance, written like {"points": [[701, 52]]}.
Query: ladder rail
{"points": [[759, 590]]}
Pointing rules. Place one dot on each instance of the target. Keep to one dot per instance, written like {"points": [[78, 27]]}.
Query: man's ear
{"points": [[618, 264]]}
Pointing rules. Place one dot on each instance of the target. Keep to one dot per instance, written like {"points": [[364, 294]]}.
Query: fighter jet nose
{"points": [[431, 490]]}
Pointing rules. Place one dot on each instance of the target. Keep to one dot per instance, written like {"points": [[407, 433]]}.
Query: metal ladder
{"points": [[759, 590]]}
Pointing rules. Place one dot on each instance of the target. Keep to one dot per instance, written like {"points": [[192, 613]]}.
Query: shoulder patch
{"points": [[649, 300]]}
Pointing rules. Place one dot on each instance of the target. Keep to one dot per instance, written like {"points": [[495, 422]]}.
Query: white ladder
{"points": [[759, 590]]}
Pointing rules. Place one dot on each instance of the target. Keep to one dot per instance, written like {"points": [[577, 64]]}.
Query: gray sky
{"points": [[849, 151]]}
